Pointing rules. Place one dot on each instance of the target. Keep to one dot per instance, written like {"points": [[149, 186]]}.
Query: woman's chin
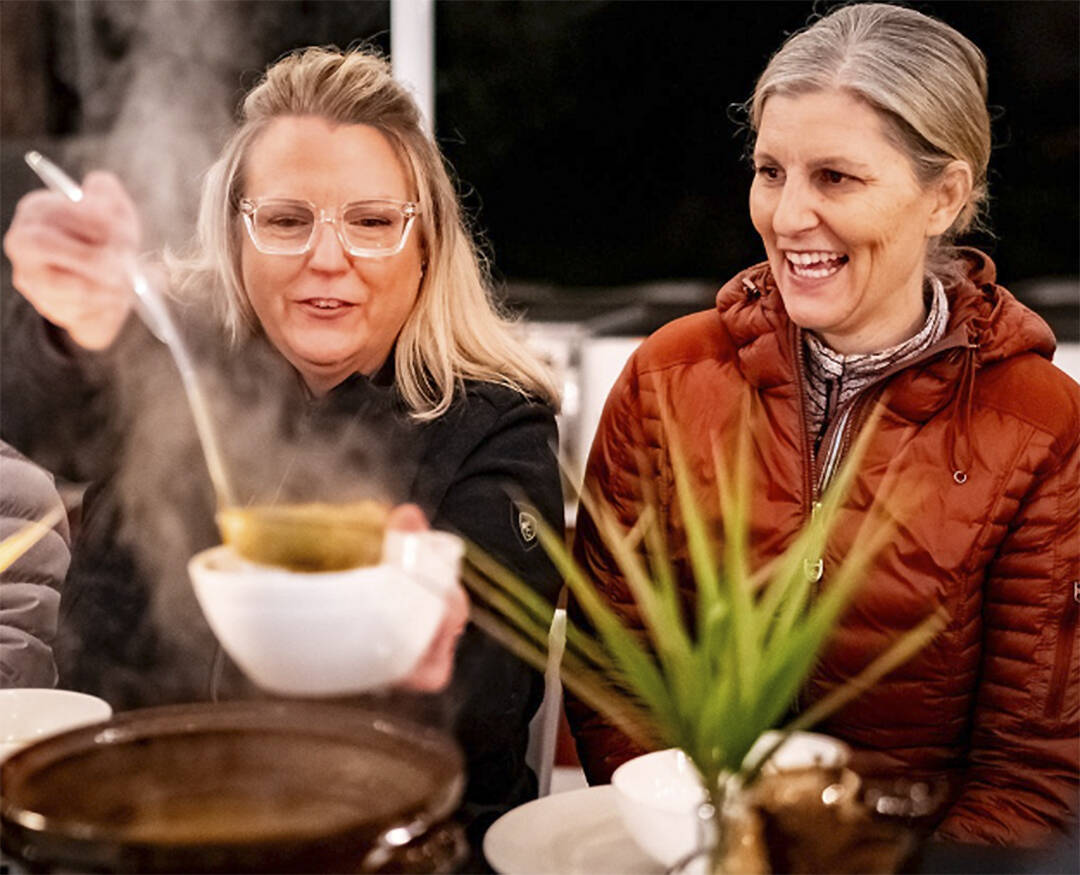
{"points": [[813, 306], [325, 348], [328, 357], [323, 364]]}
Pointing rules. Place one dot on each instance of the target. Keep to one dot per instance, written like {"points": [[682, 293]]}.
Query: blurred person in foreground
{"points": [[871, 140], [30, 586], [330, 244]]}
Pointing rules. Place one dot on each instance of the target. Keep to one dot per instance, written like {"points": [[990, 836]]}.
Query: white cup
{"points": [[29, 714], [658, 794]]}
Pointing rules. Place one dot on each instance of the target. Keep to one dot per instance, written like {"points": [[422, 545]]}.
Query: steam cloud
{"points": [[169, 106]]}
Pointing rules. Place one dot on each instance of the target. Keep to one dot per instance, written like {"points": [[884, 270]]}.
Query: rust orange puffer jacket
{"points": [[980, 439]]}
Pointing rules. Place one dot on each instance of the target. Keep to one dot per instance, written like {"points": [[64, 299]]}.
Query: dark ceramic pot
{"points": [[237, 787]]}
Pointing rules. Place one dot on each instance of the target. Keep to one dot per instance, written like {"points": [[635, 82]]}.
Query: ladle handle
{"points": [[53, 176]]}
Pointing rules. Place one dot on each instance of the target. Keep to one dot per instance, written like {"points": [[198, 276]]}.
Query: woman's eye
{"points": [[767, 171], [834, 177], [287, 221], [369, 222]]}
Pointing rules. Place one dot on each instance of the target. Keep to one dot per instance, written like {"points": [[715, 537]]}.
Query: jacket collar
{"points": [[985, 322]]}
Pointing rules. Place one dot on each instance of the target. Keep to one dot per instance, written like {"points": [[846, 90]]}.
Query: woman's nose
{"points": [[795, 210], [327, 252]]}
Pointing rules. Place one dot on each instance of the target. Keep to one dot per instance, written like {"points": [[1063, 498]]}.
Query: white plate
{"points": [[33, 713], [574, 833]]}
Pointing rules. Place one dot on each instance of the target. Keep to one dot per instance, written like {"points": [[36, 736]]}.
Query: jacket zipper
{"points": [[815, 569], [811, 505], [839, 439], [1063, 655], [810, 498], [833, 452], [831, 449]]}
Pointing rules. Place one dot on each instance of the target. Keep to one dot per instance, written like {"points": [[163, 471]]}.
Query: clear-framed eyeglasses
{"points": [[366, 229]]}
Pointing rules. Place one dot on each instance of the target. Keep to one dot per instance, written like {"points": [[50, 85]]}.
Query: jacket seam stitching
{"points": [[1040, 427]]}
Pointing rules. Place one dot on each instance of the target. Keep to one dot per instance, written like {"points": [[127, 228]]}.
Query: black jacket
{"points": [[131, 631]]}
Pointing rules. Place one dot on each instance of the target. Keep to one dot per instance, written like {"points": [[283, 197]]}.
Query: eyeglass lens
{"points": [[365, 225]]}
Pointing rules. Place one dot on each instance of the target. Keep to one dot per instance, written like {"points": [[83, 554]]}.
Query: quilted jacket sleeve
{"points": [[30, 587], [613, 477], [1024, 764]]}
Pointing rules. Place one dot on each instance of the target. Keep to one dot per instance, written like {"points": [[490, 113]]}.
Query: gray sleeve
{"points": [[29, 587]]}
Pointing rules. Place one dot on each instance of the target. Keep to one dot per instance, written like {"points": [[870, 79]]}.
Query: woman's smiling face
{"points": [[844, 221], [331, 314]]}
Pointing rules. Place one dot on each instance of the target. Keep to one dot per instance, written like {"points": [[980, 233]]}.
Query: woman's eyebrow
{"points": [[840, 161], [819, 163]]}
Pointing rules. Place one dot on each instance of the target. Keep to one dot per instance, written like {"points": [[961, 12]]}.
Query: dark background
{"points": [[594, 141], [598, 136]]}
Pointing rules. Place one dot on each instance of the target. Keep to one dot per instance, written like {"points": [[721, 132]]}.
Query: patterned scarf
{"points": [[845, 376]]}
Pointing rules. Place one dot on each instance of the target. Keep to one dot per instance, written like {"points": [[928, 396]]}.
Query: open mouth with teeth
{"points": [[326, 304], [814, 265]]}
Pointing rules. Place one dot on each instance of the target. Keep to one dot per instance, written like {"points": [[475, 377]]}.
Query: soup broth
{"points": [[314, 536]]}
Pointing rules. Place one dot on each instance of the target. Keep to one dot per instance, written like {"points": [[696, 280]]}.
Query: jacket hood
{"points": [[999, 326]]}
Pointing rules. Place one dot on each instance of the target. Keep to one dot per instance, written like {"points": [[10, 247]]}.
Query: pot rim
{"points": [[319, 720]]}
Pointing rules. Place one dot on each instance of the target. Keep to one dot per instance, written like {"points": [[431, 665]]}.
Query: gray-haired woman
{"points": [[329, 235], [871, 143]]}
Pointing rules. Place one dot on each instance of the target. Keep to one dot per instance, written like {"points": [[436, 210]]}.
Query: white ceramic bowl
{"points": [[329, 633], [658, 794], [29, 714]]}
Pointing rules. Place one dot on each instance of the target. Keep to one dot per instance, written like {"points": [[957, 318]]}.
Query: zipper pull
{"points": [[814, 569]]}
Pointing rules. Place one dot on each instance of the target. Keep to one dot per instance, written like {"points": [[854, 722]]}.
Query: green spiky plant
{"points": [[709, 681]]}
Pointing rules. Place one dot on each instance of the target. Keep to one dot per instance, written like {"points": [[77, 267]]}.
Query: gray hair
{"points": [[454, 332], [925, 79]]}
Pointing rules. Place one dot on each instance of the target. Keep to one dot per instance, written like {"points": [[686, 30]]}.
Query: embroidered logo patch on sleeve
{"points": [[525, 524]]}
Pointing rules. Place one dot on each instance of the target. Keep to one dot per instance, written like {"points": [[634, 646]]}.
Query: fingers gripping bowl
{"points": [[329, 633]]}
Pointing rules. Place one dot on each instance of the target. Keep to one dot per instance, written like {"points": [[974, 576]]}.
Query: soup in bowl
{"points": [[310, 536]]}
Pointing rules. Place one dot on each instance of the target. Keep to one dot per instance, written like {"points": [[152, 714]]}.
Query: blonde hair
{"points": [[454, 332], [925, 79]]}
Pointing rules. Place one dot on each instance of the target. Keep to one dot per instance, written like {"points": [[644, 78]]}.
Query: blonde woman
{"points": [[871, 140], [329, 234]]}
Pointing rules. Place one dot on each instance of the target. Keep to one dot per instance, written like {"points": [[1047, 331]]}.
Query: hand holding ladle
{"points": [[91, 306]]}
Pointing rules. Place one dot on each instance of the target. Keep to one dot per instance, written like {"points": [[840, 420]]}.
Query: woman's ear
{"points": [[952, 191]]}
